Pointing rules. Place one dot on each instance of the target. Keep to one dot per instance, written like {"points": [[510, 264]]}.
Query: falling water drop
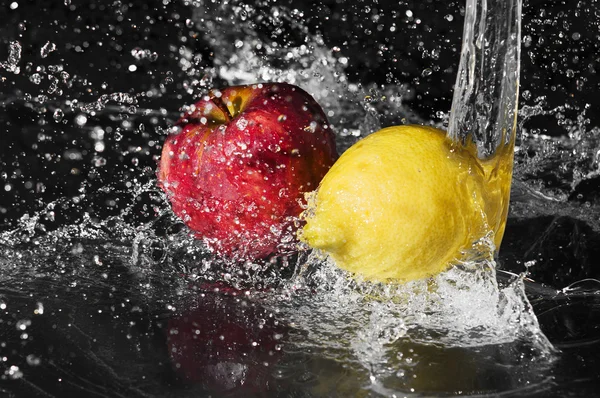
{"points": [[14, 57], [14, 372], [39, 310], [32, 360], [36, 78], [58, 115], [81, 120], [47, 49]]}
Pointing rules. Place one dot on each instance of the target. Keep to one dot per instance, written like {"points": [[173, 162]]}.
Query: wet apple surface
{"points": [[237, 171]]}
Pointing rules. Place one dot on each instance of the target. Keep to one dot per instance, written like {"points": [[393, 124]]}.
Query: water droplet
{"points": [[80, 120], [14, 372], [137, 53], [36, 78], [449, 17], [64, 76], [47, 49], [32, 360], [14, 57], [311, 128], [426, 72], [241, 123], [99, 161], [55, 68], [23, 324], [239, 44], [58, 115]]}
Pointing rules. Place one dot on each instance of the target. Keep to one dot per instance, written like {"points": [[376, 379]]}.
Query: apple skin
{"points": [[237, 171], [225, 342]]}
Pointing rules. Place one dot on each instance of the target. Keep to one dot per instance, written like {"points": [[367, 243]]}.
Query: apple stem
{"points": [[219, 103]]}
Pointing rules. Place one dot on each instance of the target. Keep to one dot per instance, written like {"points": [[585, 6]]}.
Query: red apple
{"points": [[237, 171], [225, 342]]}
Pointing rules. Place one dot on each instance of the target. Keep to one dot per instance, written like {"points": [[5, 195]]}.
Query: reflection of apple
{"points": [[237, 171], [225, 341]]}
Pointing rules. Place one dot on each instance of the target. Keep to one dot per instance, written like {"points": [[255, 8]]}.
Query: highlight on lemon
{"points": [[404, 202]]}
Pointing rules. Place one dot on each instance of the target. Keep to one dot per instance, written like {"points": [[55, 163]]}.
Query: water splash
{"points": [[47, 49], [385, 329], [14, 57]]}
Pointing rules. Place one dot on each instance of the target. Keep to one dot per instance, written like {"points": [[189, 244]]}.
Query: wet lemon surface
{"points": [[404, 202]]}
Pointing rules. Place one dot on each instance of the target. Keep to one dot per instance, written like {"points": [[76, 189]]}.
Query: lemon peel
{"points": [[405, 202]]}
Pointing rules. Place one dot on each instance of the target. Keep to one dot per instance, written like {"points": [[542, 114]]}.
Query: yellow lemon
{"points": [[402, 203]]}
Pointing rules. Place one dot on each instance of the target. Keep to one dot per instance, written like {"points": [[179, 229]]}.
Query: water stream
{"points": [[104, 293], [486, 94]]}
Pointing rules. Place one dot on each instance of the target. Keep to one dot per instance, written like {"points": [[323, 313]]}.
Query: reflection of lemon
{"points": [[402, 203]]}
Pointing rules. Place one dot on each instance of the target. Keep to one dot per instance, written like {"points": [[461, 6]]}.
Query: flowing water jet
{"points": [[486, 94]]}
